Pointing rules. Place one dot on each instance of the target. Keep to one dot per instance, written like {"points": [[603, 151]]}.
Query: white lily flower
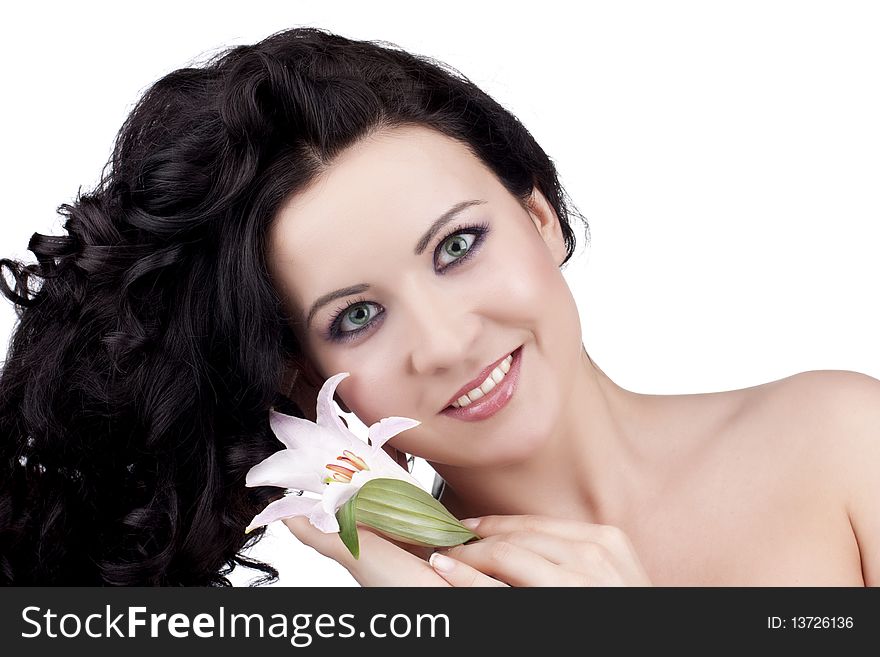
{"points": [[326, 459]]}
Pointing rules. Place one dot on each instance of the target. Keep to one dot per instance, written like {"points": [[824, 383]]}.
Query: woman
{"points": [[193, 293]]}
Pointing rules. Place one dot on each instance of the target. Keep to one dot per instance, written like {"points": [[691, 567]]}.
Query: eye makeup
{"points": [[334, 332]]}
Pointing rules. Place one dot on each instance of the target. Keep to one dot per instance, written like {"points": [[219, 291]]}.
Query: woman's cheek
{"points": [[526, 288], [368, 396]]}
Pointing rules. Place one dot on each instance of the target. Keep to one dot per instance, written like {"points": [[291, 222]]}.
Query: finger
{"points": [[380, 561], [560, 551], [513, 564], [460, 574], [611, 538], [328, 544], [421, 551]]}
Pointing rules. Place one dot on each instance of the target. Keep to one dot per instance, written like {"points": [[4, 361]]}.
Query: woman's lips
{"points": [[492, 402], [477, 380]]}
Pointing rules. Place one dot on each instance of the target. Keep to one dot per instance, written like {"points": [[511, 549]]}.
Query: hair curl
{"points": [[137, 384]]}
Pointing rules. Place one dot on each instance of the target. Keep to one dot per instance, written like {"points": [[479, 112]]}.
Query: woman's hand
{"points": [[542, 551], [382, 562]]}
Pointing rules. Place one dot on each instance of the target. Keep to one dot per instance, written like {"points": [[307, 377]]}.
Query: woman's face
{"points": [[434, 313]]}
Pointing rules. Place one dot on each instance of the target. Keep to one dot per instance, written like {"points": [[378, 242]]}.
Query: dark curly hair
{"points": [[152, 344]]}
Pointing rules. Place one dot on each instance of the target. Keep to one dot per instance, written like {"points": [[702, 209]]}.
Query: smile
{"points": [[490, 396], [491, 381]]}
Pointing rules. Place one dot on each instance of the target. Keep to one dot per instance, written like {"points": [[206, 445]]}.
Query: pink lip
{"points": [[496, 399], [477, 380]]}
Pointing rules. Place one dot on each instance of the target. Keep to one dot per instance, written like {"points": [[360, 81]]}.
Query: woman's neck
{"points": [[593, 465]]}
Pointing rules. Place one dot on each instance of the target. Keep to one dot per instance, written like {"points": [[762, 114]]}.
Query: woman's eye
{"points": [[456, 246], [356, 317], [351, 320]]}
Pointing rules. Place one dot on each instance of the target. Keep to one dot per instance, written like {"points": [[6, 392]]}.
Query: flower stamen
{"points": [[353, 459], [338, 469], [342, 474]]}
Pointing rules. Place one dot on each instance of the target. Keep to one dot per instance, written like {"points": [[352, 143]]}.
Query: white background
{"points": [[726, 154]]}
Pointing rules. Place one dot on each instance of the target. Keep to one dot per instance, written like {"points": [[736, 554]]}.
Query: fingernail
{"points": [[470, 523], [441, 563]]}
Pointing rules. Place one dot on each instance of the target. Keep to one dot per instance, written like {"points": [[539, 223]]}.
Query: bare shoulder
{"points": [[838, 409], [834, 414], [828, 402], [827, 391], [831, 418]]}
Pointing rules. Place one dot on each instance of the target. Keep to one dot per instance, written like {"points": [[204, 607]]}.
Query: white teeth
{"points": [[494, 378]]}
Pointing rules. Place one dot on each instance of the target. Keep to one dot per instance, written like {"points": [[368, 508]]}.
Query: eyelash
{"points": [[478, 229]]}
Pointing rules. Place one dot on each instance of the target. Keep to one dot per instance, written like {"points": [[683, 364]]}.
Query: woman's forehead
{"points": [[405, 168], [390, 186], [392, 183]]}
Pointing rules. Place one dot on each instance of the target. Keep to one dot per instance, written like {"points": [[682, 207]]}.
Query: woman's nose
{"points": [[441, 331]]}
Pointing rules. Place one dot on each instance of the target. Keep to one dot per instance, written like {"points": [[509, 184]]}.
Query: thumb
{"points": [[460, 574], [330, 545], [381, 563]]}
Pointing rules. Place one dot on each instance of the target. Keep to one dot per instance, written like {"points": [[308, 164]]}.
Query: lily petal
{"points": [[388, 427], [326, 415], [310, 447], [324, 521], [286, 469], [337, 494], [293, 431], [387, 468], [287, 507]]}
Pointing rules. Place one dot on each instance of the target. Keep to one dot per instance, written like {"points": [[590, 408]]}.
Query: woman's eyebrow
{"points": [[444, 219], [330, 296], [422, 244]]}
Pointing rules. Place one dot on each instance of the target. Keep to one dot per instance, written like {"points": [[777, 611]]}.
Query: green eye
{"points": [[353, 319], [457, 245], [357, 315]]}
